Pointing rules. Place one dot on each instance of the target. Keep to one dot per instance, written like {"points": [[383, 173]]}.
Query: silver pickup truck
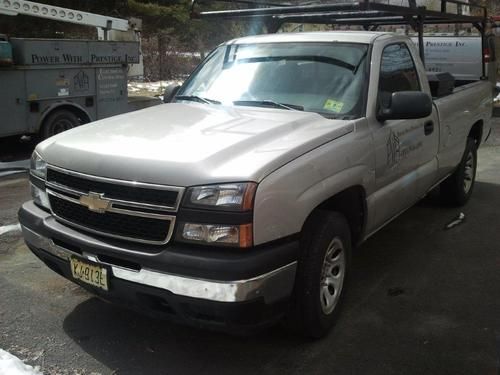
{"points": [[240, 202]]}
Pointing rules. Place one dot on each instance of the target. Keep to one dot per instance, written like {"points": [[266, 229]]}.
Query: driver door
{"points": [[398, 143]]}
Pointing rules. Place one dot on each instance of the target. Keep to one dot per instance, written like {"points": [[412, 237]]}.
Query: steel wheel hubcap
{"points": [[468, 172], [332, 275]]}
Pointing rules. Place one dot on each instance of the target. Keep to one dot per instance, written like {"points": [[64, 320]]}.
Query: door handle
{"points": [[428, 127]]}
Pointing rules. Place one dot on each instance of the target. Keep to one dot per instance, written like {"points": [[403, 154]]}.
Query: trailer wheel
{"points": [[57, 122]]}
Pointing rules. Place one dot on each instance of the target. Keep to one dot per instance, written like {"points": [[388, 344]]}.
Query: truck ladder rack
{"points": [[366, 13]]}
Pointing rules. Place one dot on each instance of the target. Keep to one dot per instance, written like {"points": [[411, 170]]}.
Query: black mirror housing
{"points": [[170, 92], [407, 105]]}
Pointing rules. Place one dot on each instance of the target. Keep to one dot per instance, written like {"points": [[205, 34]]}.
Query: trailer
{"points": [[51, 85]]}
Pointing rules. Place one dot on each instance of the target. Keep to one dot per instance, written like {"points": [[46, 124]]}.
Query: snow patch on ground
{"points": [[7, 229], [148, 88], [497, 98], [11, 365], [13, 167], [11, 172]]}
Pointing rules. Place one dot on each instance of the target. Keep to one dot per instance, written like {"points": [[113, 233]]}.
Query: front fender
{"points": [[287, 197]]}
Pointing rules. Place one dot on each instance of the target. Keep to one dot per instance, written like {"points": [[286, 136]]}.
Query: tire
{"points": [[457, 189], [326, 238], [57, 122]]}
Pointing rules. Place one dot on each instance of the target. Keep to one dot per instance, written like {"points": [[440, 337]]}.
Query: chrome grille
{"points": [[129, 191], [132, 211]]}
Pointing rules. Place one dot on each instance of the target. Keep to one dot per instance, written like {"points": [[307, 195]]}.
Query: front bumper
{"points": [[218, 287]]}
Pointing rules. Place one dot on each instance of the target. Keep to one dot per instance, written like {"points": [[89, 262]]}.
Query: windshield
{"points": [[327, 78]]}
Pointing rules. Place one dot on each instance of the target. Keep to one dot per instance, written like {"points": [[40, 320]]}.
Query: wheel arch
{"points": [[476, 132], [351, 203]]}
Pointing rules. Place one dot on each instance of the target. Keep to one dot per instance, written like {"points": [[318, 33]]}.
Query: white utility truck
{"points": [[51, 85]]}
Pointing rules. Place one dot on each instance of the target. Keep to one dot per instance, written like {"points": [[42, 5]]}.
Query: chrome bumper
{"points": [[272, 286]]}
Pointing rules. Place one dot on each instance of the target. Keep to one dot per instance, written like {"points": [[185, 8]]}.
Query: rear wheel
{"points": [[58, 122], [321, 274], [457, 189]]}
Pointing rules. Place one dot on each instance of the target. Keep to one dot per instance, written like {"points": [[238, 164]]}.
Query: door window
{"points": [[397, 73]]}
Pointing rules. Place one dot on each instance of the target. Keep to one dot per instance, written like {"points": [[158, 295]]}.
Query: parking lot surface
{"points": [[422, 299]]}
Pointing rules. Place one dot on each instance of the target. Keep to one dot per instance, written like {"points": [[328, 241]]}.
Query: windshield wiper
{"points": [[269, 103], [301, 58], [198, 99], [355, 70]]}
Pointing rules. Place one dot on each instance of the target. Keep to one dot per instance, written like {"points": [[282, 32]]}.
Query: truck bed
{"points": [[467, 104]]}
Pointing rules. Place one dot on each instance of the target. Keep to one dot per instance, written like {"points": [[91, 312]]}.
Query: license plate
{"points": [[89, 273]]}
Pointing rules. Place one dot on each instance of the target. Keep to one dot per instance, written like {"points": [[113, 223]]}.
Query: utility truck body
{"points": [[51, 85], [54, 85]]}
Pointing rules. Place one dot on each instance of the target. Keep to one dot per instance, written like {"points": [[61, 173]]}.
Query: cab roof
{"points": [[363, 37]]}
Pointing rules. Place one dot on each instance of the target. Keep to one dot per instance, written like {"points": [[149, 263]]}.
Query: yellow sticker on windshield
{"points": [[333, 105]]}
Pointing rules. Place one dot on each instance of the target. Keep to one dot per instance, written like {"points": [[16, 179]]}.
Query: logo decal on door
{"points": [[398, 150], [393, 150]]}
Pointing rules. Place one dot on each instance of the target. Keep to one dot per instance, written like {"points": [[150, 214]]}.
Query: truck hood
{"points": [[191, 144]]}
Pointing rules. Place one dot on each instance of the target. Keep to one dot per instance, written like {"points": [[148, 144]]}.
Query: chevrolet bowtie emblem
{"points": [[95, 202]]}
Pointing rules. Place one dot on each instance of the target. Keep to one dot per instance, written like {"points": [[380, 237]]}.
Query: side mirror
{"points": [[407, 105], [170, 92]]}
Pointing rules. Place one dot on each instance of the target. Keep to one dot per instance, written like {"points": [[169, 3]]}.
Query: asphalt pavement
{"points": [[422, 299]]}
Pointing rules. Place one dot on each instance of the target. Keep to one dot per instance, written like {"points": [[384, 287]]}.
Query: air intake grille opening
{"points": [[134, 227], [115, 191]]}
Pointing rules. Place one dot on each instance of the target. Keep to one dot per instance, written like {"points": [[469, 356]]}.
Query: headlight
{"points": [[230, 197], [215, 234], [237, 198], [38, 170], [38, 167]]}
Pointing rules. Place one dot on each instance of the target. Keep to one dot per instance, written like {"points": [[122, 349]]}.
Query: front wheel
{"points": [[321, 274], [457, 189]]}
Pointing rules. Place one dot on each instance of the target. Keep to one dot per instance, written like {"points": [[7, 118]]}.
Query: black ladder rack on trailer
{"points": [[367, 13]]}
